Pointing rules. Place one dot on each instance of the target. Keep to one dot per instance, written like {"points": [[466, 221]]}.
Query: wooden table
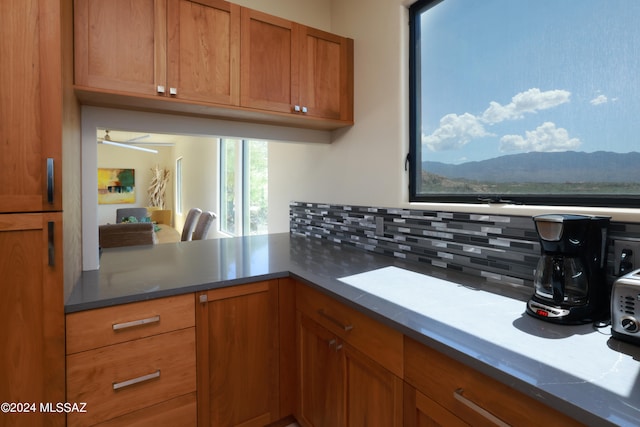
{"points": [[166, 234]]}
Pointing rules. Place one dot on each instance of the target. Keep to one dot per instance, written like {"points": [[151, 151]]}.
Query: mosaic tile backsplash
{"points": [[496, 248]]}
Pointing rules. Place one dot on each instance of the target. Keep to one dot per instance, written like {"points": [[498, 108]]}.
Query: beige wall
{"points": [[141, 162]]}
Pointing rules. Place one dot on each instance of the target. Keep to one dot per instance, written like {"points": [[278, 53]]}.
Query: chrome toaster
{"points": [[625, 308]]}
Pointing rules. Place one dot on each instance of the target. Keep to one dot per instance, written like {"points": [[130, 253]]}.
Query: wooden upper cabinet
{"points": [[120, 45], [214, 58], [269, 65], [30, 107], [288, 67], [177, 48], [204, 50], [326, 74]]}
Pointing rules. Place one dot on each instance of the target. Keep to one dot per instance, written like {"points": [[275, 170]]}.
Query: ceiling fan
{"points": [[124, 144]]}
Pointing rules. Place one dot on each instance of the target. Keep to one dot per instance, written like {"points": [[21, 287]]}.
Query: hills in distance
{"points": [[557, 167]]}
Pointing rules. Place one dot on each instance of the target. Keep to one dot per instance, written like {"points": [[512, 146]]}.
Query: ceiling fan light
{"points": [[118, 144]]}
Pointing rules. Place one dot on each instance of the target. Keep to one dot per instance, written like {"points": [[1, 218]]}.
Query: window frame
{"points": [[415, 148], [241, 185]]}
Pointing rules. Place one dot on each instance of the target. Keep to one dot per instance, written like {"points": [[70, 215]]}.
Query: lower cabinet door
{"points": [[373, 394], [321, 377], [237, 331], [421, 411], [341, 386]]}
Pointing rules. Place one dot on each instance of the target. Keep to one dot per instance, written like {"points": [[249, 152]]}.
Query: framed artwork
{"points": [[116, 186]]}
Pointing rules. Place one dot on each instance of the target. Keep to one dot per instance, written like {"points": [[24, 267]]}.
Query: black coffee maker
{"points": [[570, 279]]}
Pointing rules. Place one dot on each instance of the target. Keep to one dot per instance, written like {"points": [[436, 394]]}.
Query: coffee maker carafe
{"points": [[570, 278]]}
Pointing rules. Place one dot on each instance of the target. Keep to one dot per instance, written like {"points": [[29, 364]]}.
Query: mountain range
{"points": [[567, 166]]}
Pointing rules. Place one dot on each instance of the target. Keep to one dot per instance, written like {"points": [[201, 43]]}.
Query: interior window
{"points": [[525, 101], [243, 187]]}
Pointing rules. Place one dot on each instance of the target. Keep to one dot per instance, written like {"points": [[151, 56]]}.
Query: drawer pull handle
{"points": [[458, 395], [138, 380], [125, 325], [335, 321]]}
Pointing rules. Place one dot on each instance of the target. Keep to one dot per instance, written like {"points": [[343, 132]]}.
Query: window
{"points": [[179, 186], [525, 101], [243, 187]]}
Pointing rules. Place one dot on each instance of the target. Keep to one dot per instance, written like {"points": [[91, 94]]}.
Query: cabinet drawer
{"points": [[122, 378], [381, 343], [110, 325], [472, 396], [178, 412]]}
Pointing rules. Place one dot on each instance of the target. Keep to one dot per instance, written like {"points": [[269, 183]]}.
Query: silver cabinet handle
{"points": [[304, 109], [138, 380], [203, 299], [458, 395], [173, 91], [335, 321], [51, 247], [160, 89], [296, 108], [50, 174], [125, 325]]}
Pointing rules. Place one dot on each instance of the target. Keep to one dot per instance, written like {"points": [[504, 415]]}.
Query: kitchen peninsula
{"points": [[576, 370]]}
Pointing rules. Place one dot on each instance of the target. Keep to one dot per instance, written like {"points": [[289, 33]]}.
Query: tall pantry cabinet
{"points": [[31, 281]]}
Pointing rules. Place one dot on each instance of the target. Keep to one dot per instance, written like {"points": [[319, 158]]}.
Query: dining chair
{"points": [[190, 224], [203, 225], [138, 213]]}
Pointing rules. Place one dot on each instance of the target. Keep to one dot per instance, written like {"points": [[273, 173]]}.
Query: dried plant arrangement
{"points": [[158, 185]]}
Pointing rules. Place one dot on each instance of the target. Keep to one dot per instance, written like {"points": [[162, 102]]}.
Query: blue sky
{"points": [[512, 76]]}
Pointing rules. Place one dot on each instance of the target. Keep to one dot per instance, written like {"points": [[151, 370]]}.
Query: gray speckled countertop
{"points": [[578, 370]]}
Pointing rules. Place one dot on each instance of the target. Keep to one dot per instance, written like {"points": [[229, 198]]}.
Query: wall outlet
{"points": [[626, 256]]}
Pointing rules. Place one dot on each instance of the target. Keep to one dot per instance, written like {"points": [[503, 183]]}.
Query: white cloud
{"points": [[600, 99], [545, 138], [454, 132], [529, 101]]}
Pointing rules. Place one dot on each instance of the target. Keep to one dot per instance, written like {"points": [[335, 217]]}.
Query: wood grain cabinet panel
{"points": [[472, 396], [379, 342], [349, 365], [326, 74], [111, 325], [133, 364], [30, 107], [31, 314], [120, 45], [269, 62], [204, 51], [238, 357], [211, 57], [161, 48], [126, 377], [291, 68], [421, 411]]}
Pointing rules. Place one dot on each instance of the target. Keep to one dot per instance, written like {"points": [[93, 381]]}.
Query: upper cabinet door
{"points": [[326, 74], [30, 107], [120, 45], [269, 62], [204, 51]]}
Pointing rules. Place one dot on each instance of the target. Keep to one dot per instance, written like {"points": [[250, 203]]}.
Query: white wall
{"points": [[200, 180]]}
